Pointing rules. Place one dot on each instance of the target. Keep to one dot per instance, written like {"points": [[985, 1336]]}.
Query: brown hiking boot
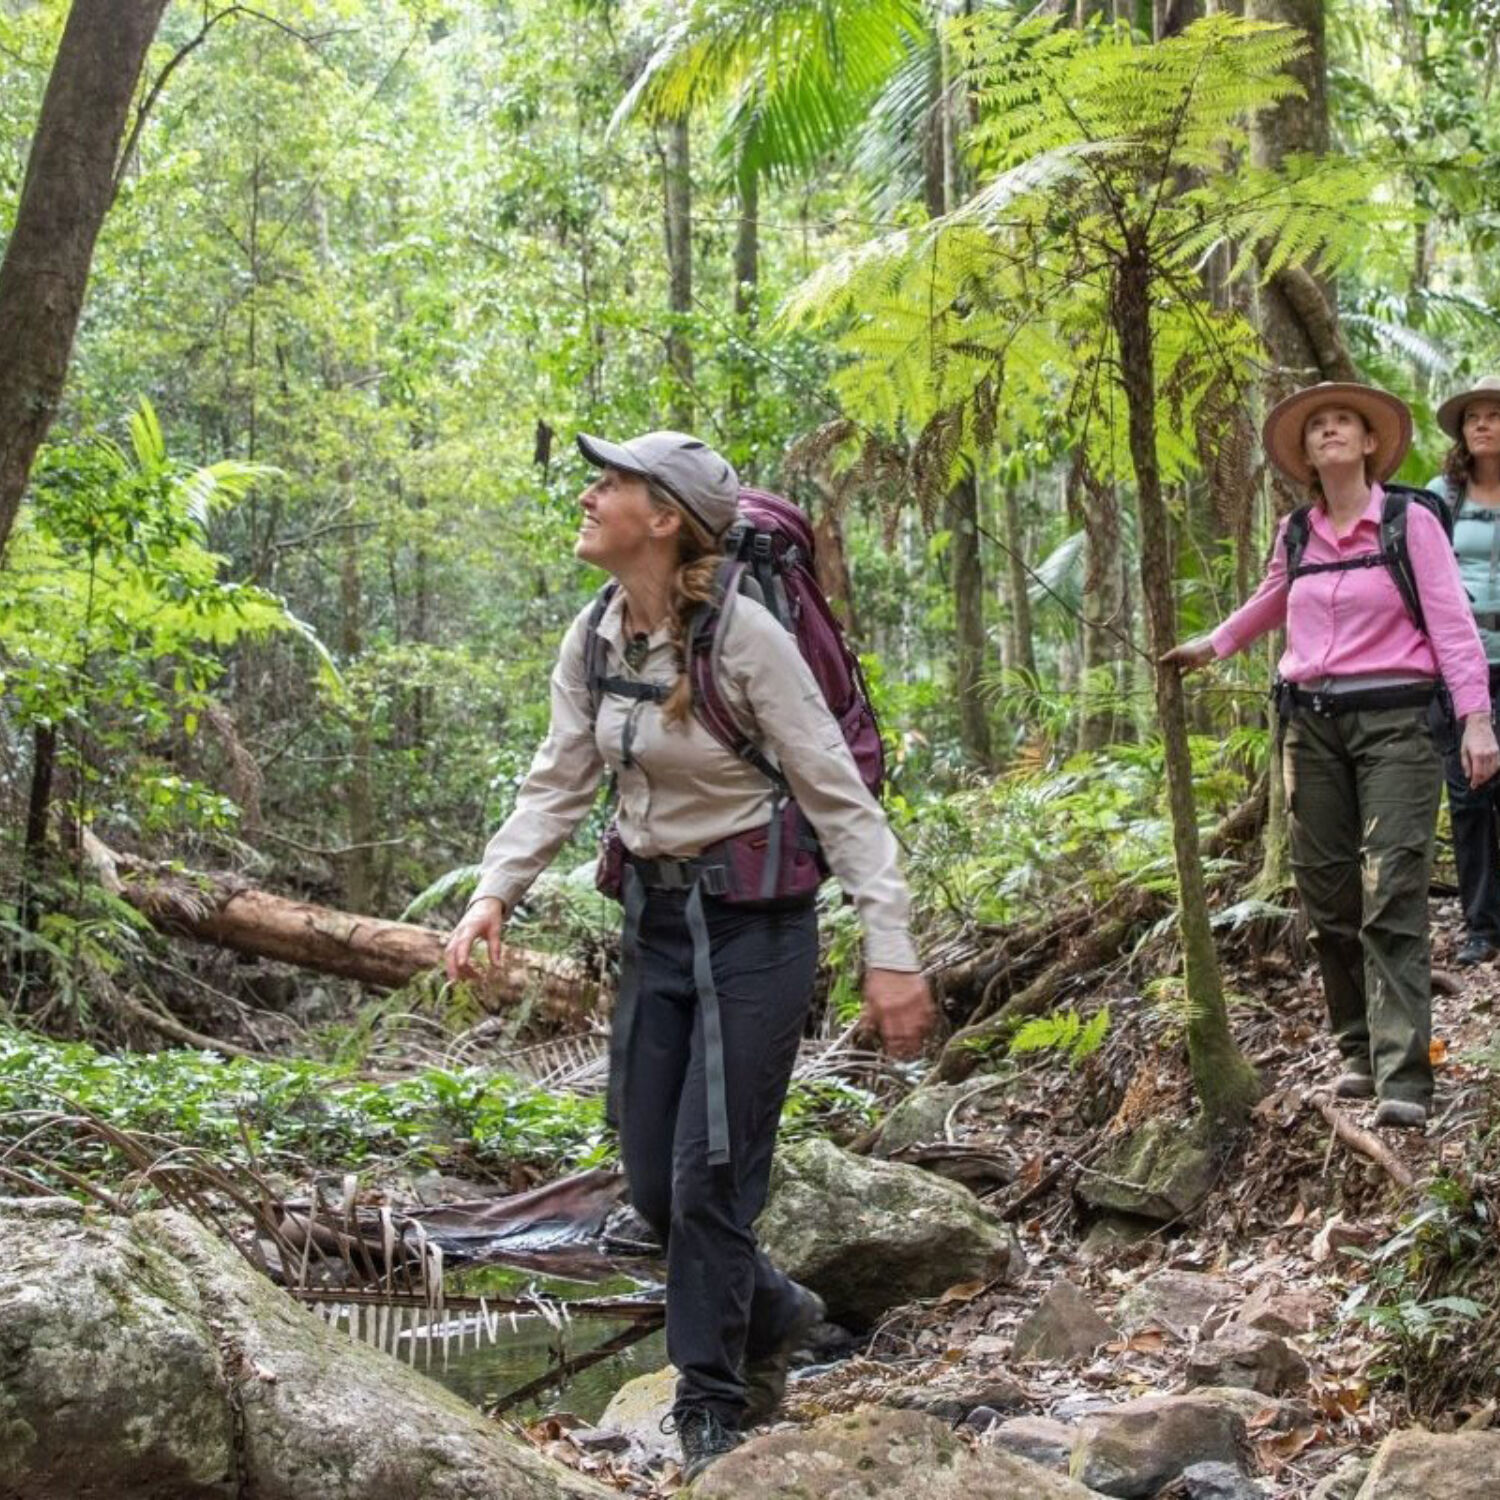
{"points": [[765, 1378]]}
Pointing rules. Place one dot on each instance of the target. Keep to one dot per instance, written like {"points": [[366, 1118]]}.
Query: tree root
{"points": [[1367, 1145], [965, 1049]]}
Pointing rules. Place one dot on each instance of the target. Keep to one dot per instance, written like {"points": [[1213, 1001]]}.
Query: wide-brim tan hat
{"points": [[1450, 414], [1386, 415]]}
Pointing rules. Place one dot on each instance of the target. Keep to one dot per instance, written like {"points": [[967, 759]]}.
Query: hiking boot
{"points": [[1401, 1114], [1475, 949], [765, 1378], [1353, 1084], [704, 1436]]}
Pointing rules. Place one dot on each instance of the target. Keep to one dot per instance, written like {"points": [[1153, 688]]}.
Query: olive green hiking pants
{"points": [[1362, 796]]}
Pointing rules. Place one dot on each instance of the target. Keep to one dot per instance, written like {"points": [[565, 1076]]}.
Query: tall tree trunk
{"points": [[1226, 1084], [358, 796], [1295, 124], [69, 185], [679, 227], [968, 619], [746, 294], [1103, 607], [1020, 649], [941, 189], [38, 807]]}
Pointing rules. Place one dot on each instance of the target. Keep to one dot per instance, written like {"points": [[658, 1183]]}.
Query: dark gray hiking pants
{"points": [[1362, 795], [725, 1300]]}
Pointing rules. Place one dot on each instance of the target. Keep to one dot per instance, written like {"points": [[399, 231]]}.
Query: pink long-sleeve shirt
{"points": [[1353, 623]]}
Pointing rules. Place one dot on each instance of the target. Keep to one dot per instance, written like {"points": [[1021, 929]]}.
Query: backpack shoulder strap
{"points": [[1298, 525], [1394, 548], [705, 665], [593, 650]]}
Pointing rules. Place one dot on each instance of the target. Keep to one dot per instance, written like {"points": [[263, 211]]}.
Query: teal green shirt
{"points": [[1476, 543]]}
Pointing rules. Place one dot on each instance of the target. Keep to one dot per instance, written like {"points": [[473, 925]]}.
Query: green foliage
{"points": [[114, 615], [796, 77], [1063, 1031], [1090, 146], [824, 1107], [298, 1115], [1411, 1299], [1018, 848]]}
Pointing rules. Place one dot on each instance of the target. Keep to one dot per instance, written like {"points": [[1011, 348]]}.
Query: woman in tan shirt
{"points": [[713, 995]]}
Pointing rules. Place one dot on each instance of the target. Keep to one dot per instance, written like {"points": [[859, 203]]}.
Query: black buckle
{"points": [[762, 546], [715, 879]]}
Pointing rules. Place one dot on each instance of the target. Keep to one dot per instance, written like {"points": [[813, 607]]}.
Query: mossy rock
{"points": [[145, 1358], [1161, 1171], [870, 1235]]}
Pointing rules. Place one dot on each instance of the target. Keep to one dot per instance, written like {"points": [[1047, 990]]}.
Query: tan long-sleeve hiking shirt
{"points": [[683, 791]]}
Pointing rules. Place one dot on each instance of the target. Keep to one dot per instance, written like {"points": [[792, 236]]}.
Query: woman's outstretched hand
{"points": [[1190, 655], [900, 1007], [482, 923], [1479, 752]]}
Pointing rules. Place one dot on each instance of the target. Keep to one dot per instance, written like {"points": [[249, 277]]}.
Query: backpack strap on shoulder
{"points": [[705, 651], [1298, 525], [593, 651], [1397, 553]]}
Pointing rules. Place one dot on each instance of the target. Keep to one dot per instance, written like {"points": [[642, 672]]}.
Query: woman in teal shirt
{"points": [[1470, 483]]}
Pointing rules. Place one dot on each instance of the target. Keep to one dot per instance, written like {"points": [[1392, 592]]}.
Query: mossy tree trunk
{"points": [[1226, 1084]]}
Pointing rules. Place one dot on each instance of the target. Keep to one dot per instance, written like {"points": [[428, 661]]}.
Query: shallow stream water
{"points": [[529, 1348]]}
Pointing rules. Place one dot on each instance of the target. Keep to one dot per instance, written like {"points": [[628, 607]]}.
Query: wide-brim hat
{"points": [[1386, 416], [1450, 414]]}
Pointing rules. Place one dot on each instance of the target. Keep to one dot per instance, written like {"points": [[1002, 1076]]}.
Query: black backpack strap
{"points": [[593, 650], [1298, 525], [1396, 552]]}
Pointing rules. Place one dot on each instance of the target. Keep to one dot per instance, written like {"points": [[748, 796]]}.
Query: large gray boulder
{"points": [[870, 1235], [920, 1117], [874, 1454], [1435, 1466], [1183, 1302], [143, 1359]]}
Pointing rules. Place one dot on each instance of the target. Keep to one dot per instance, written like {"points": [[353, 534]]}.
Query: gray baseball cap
{"points": [[701, 481]]}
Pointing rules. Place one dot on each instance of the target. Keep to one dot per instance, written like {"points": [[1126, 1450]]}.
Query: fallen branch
{"points": [[1366, 1144], [567, 1368], [175, 1031]]}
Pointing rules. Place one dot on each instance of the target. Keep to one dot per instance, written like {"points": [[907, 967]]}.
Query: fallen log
{"points": [[230, 913]]}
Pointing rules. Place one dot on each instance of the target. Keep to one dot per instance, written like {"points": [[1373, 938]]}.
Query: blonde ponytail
{"points": [[698, 559]]}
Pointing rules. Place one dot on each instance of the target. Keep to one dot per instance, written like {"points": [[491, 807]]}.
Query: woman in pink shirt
{"points": [[1356, 687]]}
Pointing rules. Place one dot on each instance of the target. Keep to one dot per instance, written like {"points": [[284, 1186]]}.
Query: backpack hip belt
{"points": [[1329, 705], [779, 861]]}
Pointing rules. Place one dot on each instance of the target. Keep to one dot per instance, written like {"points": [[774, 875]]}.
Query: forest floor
{"points": [[1295, 1212]]}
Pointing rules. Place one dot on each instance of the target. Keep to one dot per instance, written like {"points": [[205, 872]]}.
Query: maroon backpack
{"points": [[769, 557]]}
